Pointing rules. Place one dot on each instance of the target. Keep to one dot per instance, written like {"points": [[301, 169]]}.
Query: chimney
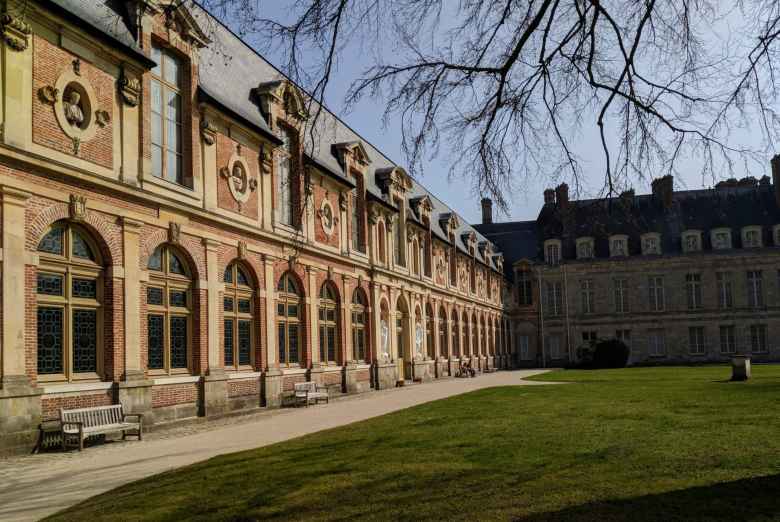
{"points": [[549, 197], [562, 195], [663, 190], [776, 177], [487, 211]]}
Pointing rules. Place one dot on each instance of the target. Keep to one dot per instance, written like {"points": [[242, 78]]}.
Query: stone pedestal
{"points": [[272, 388], [442, 368], [740, 368], [20, 415], [135, 396], [385, 375], [453, 364], [423, 370], [215, 393], [490, 363], [351, 382]]}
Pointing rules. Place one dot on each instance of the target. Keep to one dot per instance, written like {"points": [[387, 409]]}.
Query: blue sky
{"points": [[366, 120]]}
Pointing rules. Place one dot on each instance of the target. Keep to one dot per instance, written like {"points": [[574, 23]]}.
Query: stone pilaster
{"points": [[215, 394]]}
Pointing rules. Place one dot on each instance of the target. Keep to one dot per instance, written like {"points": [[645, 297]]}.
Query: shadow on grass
{"points": [[751, 499]]}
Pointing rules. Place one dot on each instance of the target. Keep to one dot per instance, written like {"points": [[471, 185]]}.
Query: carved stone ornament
{"points": [[343, 201], [208, 132], [327, 218], [102, 118], [77, 67], [242, 250], [49, 94], [373, 218], [174, 233], [130, 89], [15, 31], [241, 185], [76, 145], [78, 207]]}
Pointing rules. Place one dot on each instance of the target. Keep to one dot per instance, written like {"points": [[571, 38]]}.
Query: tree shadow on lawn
{"points": [[754, 499]]}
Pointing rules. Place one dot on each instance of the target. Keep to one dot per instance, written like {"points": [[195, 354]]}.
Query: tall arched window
{"points": [[419, 335], [238, 317], [429, 331], [443, 348], [415, 257], [359, 320], [485, 334], [455, 329], [169, 304], [466, 336], [285, 178], [288, 320], [474, 338], [328, 324], [69, 296], [425, 252]]}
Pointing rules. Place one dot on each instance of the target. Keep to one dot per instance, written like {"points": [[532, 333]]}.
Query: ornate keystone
{"points": [[78, 207], [242, 250], [174, 233]]}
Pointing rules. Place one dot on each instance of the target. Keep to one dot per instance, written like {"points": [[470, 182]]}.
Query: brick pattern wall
{"points": [[321, 194], [51, 404], [49, 61], [243, 388], [289, 381], [331, 378], [172, 394], [363, 375], [226, 148]]}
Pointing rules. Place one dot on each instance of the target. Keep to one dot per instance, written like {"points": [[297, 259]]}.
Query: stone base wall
{"points": [[385, 375]]}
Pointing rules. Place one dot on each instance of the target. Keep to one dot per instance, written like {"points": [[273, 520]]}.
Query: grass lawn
{"points": [[638, 444]]}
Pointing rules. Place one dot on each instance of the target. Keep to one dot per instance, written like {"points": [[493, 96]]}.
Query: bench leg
{"points": [[81, 443]]}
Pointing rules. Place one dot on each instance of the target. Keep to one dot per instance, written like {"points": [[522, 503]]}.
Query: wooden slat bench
{"points": [[99, 420], [306, 392]]}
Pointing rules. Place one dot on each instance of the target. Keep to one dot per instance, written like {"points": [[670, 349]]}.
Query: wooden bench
{"points": [[99, 420], [305, 392]]}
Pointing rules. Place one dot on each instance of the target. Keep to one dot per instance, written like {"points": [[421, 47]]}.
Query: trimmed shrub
{"points": [[611, 353]]}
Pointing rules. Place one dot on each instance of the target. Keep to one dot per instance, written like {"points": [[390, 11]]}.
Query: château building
{"points": [[680, 277], [173, 240]]}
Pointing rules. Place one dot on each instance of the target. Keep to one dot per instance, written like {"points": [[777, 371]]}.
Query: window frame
{"points": [[328, 302], [286, 299], [236, 291], [166, 53], [359, 309]]}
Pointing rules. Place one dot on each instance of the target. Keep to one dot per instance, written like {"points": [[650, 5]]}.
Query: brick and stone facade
{"points": [[144, 243]]}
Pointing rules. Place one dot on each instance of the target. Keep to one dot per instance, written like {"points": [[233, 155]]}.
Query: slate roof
{"points": [[515, 239], [730, 207], [228, 71]]}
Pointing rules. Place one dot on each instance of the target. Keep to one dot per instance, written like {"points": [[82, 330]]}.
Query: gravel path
{"points": [[34, 486]]}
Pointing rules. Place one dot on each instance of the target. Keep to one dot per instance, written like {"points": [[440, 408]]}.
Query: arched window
{"points": [[466, 336], [485, 334], [425, 252], [328, 324], [455, 329], [169, 305], [359, 314], [419, 336], [70, 311], [384, 329], [474, 338], [288, 320], [429, 331], [238, 317], [285, 178], [443, 348], [401, 315]]}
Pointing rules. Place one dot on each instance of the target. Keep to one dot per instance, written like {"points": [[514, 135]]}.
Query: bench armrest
{"points": [[73, 424], [138, 416]]}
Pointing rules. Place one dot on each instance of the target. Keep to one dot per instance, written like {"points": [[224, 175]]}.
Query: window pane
{"points": [[280, 309], [292, 310], [50, 284], [84, 288], [49, 340], [241, 278], [157, 58], [177, 298], [155, 260], [244, 306], [157, 161], [84, 341], [157, 129], [228, 342], [81, 248], [293, 332], [172, 112], [175, 266], [157, 100], [244, 342], [228, 304], [155, 339], [52, 242], [331, 343], [171, 69], [172, 167], [178, 342], [228, 274], [154, 296]]}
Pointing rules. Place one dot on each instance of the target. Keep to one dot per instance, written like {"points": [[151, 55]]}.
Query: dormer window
{"points": [[552, 251], [618, 246], [721, 239], [751, 237], [285, 178], [691, 241], [651, 244], [585, 248], [166, 117]]}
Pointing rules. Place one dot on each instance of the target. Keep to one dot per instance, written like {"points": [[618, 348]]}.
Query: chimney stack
{"points": [[663, 190], [776, 177], [487, 211], [562, 195], [549, 197]]}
